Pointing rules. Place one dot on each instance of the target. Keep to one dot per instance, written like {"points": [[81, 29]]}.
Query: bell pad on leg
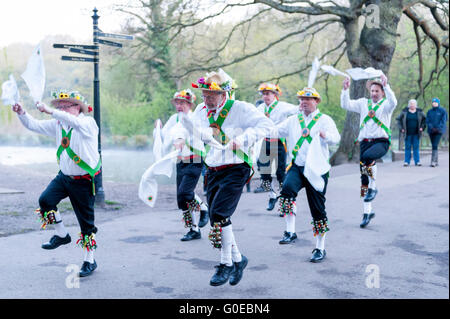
{"points": [[286, 206], [320, 226], [87, 242], [46, 218]]}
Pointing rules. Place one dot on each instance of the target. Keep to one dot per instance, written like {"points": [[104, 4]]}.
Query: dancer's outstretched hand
{"points": [[18, 109]]}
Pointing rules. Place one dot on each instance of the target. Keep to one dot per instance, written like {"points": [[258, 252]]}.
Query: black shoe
{"points": [[318, 255], [288, 238], [57, 241], [248, 188], [238, 270], [87, 268], [366, 219], [272, 202], [204, 217], [222, 275], [370, 196], [192, 234]]}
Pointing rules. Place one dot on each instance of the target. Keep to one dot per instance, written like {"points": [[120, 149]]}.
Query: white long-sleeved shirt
{"points": [[84, 139], [280, 112], [173, 130], [384, 113], [244, 123], [292, 131]]}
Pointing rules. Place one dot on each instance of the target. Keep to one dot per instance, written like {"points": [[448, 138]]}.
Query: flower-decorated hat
{"points": [[374, 81], [309, 92], [215, 81], [185, 95], [72, 96], [275, 88]]}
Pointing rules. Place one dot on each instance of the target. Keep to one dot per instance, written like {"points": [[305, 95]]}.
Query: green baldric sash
{"points": [[269, 110], [221, 137], [305, 133], [371, 115], [65, 145]]}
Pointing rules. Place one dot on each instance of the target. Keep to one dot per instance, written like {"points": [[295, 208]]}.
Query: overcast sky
{"points": [[32, 20]]}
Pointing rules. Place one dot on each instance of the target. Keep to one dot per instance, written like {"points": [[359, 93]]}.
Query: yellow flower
{"points": [[214, 86]]}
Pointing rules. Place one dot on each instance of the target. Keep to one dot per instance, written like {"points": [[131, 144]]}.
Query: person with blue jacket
{"points": [[436, 123]]}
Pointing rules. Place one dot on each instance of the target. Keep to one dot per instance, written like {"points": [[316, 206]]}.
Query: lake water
{"points": [[118, 165]]}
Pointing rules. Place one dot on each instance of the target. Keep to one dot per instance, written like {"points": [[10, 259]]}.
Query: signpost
{"points": [[94, 57]]}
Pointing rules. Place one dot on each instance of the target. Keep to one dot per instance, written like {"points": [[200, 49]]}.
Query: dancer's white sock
{"points": [[89, 256], [320, 241], [59, 226], [195, 218], [290, 220], [227, 240], [367, 207], [235, 253]]}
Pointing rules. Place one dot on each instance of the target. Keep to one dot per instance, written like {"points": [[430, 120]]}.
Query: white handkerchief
{"points": [[333, 71], [361, 74], [316, 164], [10, 93], [148, 187], [157, 141], [34, 75]]}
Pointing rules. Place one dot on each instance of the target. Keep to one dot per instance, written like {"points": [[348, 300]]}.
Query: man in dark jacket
{"points": [[412, 122], [436, 122]]}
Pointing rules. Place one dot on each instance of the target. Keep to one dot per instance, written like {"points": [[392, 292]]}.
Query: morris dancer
{"points": [[374, 135], [273, 148], [189, 165], [237, 125], [79, 162], [300, 130]]}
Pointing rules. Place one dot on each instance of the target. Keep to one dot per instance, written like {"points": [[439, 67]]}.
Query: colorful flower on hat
{"points": [[185, 95], [270, 87], [201, 84], [308, 92]]}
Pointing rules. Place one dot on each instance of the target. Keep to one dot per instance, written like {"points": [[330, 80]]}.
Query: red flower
{"points": [[89, 108], [194, 85]]}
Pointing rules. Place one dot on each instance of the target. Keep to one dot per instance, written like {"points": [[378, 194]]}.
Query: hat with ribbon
{"points": [[309, 92], [185, 95], [71, 96], [275, 88], [215, 81]]}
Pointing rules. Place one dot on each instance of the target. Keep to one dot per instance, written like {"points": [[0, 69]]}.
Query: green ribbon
{"points": [[304, 137], [375, 119], [222, 138], [65, 146]]}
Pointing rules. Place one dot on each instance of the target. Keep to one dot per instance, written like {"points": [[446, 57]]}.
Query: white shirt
{"points": [[244, 124], [84, 139], [173, 130], [292, 131], [384, 113]]}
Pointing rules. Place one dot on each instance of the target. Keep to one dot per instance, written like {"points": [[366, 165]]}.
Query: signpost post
{"points": [[93, 52]]}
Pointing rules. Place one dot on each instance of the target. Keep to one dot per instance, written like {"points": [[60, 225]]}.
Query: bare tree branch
{"points": [[195, 68], [312, 9]]}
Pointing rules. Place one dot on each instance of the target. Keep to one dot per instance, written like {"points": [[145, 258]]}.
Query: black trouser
{"points": [[435, 139], [80, 194], [224, 189], [295, 181], [271, 151], [371, 151], [188, 175]]}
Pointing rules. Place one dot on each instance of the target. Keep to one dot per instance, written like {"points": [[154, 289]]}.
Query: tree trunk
{"points": [[371, 47]]}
